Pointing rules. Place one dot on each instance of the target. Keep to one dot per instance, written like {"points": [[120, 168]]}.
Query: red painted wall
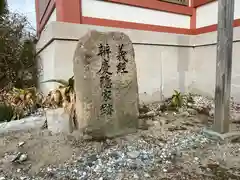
{"points": [[71, 12], [197, 3]]}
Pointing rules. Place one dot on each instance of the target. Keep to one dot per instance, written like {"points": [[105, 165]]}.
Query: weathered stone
{"points": [[133, 154], [23, 157], [157, 124], [226, 137], [180, 110], [211, 113], [183, 114], [236, 116], [22, 124], [189, 104], [149, 122], [106, 84], [192, 111], [146, 175], [58, 121], [151, 113], [20, 144], [142, 124]]}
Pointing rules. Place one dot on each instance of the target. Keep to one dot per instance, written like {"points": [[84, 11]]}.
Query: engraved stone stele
{"points": [[106, 85]]}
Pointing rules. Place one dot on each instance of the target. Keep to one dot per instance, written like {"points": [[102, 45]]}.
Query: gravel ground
{"points": [[178, 150], [167, 146]]}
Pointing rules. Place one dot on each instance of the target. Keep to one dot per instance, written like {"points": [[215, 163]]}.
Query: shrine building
{"points": [[174, 40]]}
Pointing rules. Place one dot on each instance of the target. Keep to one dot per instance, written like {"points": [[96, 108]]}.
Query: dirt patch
{"points": [[152, 152], [42, 149]]}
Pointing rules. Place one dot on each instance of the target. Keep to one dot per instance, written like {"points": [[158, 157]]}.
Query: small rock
{"points": [[133, 166], [164, 170], [172, 128], [16, 157], [135, 176], [236, 116], [235, 140], [149, 123], [23, 157], [157, 124], [150, 114], [180, 110], [2, 178], [213, 165], [146, 175], [86, 137], [120, 176], [188, 123], [143, 124], [208, 169], [22, 122], [211, 113], [20, 144], [204, 110], [133, 154], [196, 158], [184, 114], [191, 111], [91, 159], [115, 155], [189, 104]]}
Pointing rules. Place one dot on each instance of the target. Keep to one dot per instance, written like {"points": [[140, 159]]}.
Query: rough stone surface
{"points": [[227, 137], [106, 84], [58, 121], [22, 124]]}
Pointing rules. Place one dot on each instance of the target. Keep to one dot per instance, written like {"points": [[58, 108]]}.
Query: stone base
{"points": [[58, 121], [28, 123], [226, 137], [102, 133]]}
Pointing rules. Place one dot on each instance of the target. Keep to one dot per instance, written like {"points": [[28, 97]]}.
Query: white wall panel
{"points": [[113, 11], [208, 13]]}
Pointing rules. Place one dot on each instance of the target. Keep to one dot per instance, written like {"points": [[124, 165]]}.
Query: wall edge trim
{"points": [[151, 44], [156, 5], [46, 17], [76, 40], [132, 25], [198, 3]]}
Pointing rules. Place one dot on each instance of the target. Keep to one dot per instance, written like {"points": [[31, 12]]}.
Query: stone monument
{"points": [[106, 85]]}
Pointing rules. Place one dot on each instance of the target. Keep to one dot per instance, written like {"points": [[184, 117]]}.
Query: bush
{"points": [[6, 112], [18, 67]]}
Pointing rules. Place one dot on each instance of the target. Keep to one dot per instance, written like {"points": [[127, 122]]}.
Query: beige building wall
{"points": [[164, 61], [205, 63]]}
